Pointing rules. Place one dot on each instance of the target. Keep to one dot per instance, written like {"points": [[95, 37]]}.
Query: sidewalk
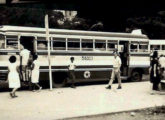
{"points": [[82, 101]]}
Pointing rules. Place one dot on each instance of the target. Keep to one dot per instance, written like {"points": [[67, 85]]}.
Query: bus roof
{"points": [[20, 29], [157, 42]]}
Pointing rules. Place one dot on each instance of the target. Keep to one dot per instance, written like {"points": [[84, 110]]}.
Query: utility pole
{"points": [[48, 40]]}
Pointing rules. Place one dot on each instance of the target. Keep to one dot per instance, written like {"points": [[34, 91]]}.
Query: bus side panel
{"points": [[139, 62], [88, 68], [64, 60], [84, 76]]}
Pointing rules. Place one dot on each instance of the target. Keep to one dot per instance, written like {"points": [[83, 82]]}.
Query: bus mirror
{"points": [[137, 32]]}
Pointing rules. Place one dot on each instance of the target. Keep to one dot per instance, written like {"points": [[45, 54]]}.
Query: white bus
{"points": [[93, 52], [157, 45]]}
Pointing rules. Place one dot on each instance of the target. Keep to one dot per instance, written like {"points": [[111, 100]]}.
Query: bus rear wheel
{"points": [[136, 76], [59, 79]]}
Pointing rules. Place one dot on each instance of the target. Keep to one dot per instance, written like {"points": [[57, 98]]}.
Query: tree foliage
{"points": [[153, 26]]}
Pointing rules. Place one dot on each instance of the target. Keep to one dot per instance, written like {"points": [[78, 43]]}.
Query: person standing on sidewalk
{"points": [[71, 69], [35, 73], [115, 71], [13, 76], [155, 71]]}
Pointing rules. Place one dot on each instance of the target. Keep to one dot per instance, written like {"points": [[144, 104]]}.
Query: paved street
{"points": [[82, 101]]}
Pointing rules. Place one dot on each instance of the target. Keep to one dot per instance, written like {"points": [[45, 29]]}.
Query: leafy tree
{"points": [[153, 26]]}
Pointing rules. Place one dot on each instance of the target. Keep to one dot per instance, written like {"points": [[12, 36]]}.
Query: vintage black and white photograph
{"points": [[82, 60]]}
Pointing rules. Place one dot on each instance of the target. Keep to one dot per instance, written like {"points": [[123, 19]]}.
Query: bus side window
{"points": [[100, 45], [2, 42], [73, 44], [134, 47], [59, 43], [87, 45], [12, 42], [155, 47], [41, 43], [163, 47], [111, 46], [143, 48]]}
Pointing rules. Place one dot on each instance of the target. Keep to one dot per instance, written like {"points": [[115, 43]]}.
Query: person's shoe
{"points": [[40, 88], [73, 86], [108, 87], [119, 87], [14, 95], [11, 94]]}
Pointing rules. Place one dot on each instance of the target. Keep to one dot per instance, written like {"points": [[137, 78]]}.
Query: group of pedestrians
{"points": [[26, 70]]}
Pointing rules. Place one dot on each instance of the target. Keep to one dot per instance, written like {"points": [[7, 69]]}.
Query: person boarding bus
{"points": [[24, 54]]}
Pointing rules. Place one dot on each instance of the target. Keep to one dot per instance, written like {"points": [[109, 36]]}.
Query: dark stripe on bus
{"points": [[3, 68]]}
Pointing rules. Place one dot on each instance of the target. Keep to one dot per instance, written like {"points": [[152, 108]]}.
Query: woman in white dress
{"points": [[35, 74], [13, 76]]}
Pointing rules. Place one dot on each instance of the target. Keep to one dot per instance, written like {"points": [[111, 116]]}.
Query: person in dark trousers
{"points": [[71, 69], [24, 58], [155, 71], [29, 71]]}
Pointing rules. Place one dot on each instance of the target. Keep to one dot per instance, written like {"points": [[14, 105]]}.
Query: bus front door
{"points": [[124, 55]]}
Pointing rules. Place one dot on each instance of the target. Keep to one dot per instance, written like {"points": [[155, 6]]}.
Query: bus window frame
{"points": [[156, 48], [144, 50], [77, 40], [163, 47], [97, 41], [17, 41], [116, 44], [42, 40], [64, 40], [4, 42], [87, 41], [134, 50]]}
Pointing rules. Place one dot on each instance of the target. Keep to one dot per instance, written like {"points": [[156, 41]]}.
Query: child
{"points": [[35, 74], [72, 71], [13, 76]]}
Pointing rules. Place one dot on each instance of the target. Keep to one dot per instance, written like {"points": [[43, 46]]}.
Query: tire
{"points": [[59, 79], [136, 76]]}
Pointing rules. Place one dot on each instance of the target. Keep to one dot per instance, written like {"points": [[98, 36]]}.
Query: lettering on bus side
{"points": [[87, 57]]}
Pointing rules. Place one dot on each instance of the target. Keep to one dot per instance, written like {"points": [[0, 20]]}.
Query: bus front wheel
{"points": [[136, 76]]}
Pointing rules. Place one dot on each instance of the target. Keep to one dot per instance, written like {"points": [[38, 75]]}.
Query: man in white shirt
{"points": [[24, 58], [71, 68], [115, 71]]}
